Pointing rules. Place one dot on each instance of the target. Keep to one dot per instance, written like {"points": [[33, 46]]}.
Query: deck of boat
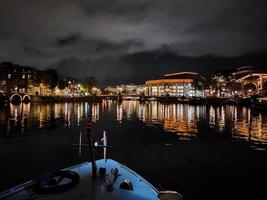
{"points": [[92, 189]]}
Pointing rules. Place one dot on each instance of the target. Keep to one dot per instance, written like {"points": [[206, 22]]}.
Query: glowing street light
{"points": [[41, 88]]}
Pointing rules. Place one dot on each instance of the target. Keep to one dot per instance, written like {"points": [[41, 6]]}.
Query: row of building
{"points": [[16, 79], [243, 81]]}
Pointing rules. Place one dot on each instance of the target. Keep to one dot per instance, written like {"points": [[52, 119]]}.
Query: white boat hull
{"points": [[89, 188]]}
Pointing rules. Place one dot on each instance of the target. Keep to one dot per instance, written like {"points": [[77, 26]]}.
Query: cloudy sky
{"points": [[133, 40]]}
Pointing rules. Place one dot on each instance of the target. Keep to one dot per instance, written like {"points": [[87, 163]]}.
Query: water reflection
{"points": [[239, 123], [16, 119], [187, 122], [177, 118]]}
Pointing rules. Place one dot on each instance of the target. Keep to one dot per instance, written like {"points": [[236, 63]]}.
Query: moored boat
{"points": [[260, 103]]}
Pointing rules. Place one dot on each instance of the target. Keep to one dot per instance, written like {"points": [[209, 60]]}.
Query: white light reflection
{"points": [[95, 112], [119, 112]]}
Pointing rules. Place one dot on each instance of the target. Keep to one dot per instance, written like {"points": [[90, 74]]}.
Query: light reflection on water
{"points": [[188, 122]]}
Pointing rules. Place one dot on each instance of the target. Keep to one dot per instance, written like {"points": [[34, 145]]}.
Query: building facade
{"points": [[181, 84], [252, 80], [16, 79], [126, 89], [243, 81]]}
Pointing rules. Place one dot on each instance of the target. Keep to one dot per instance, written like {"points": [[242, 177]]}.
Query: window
{"points": [[23, 76], [9, 76]]}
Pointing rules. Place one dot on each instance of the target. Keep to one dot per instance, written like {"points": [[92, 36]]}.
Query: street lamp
{"points": [[79, 89], [41, 86]]}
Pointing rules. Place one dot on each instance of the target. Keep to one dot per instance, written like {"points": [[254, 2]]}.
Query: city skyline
{"points": [[120, 41]]}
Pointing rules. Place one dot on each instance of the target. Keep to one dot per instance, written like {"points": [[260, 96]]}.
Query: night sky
{"points": [[133, 40]]}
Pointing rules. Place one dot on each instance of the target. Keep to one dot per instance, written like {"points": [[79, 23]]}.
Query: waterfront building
{"points": [[129, 88], [62, 92], [141, 90], [16, 79], [126, 89], [73, 87], [252, 80], [219, 83], [111, 89], [242, 81], [187, 84]]}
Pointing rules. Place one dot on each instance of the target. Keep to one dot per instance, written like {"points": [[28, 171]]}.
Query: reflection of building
{"points": [[176, 84]]}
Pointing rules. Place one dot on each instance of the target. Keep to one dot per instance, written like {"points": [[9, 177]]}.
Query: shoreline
{"points": [[216, 101]]}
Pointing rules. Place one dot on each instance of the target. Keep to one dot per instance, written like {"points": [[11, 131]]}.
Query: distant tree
{"points": [[54, 78], [198, 83], [89, 82], [62, 84]]}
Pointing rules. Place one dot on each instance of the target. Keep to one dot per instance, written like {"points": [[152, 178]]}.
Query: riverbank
{"points": [[216, 101], [66, 99]]}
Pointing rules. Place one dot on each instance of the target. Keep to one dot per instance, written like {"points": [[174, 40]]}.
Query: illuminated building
{"points": [[219, 82], [185, 84], [243, 81], [252, 80], [129, 88], [126, 89], [111, 90], [15, 78]]}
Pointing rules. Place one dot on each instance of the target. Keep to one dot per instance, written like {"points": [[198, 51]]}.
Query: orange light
{"points": [[179, 73], [166, 81]]}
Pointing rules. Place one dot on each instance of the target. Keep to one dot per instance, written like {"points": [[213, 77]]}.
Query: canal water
{"points": [[202, 152]]}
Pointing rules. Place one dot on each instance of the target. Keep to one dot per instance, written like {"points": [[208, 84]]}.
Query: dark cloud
{"points": [[133, 10], [32, 51], [138, 67], [69, 40], [102, 33]]}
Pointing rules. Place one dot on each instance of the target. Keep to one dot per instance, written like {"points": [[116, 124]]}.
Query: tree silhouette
{"points": [[89, 82]]}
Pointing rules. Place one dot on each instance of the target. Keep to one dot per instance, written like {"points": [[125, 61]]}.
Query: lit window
{"points": [[9, 76], [23, 76]]}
